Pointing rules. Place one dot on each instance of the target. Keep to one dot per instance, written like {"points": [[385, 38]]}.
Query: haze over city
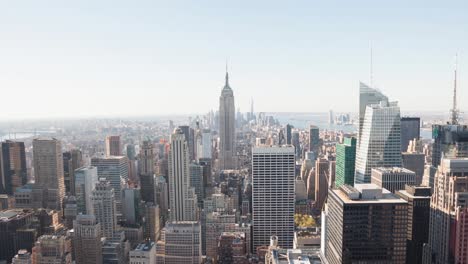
{"points": [[119, 58]]}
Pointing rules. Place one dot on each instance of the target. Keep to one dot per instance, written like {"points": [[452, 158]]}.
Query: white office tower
{"points": [[204, 145], [380, 141], [367, 96], [115, 170], [182, 198], [180, 243], [85, 181], [227, 126], [273, 195], [48, 172], [104, 207]]}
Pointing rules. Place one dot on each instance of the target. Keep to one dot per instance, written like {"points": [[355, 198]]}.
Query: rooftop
{"points": [[144, 246], [365, 194]]}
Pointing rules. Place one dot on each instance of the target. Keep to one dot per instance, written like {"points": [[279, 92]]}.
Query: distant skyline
{"points": [[144, 58]]}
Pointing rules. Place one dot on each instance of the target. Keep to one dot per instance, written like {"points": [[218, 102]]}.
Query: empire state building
{"points": [[227, 128]]}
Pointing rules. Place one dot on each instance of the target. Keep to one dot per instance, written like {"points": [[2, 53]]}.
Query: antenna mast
{"points": [[455, 112]]}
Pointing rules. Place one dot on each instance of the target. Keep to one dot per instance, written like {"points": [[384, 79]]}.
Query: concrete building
{"points": [[104, 207], [365, 223], [144, 253], [380, 140], [113, 146], [85, 182], [48, 172], [273, 176], [227, 128], [52, 249], [87, 240], [13, 170], [419, 200], [393, 179], [232, 248], [414, 162], [182, 198], [345, 162], [448, 214], [180, 243], [322, 175], [23, 257]]}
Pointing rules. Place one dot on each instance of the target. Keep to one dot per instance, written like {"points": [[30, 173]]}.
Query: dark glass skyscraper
{"points": [[345, 162], [13, 167], [450, 141], [410, 129]]}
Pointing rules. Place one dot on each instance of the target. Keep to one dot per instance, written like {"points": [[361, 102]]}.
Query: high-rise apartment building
{"points": [[410, 130], [393, 178], [85, 181], [273, 176], [380, 140], [448, 227], [146, 171], [13, 169], [87, 240], [48, 172], [365, 224], [104, 207], [314, 139], [419, 200], [180, 243], [345, 162], [227, 129], [113, 146], [182, 198]]}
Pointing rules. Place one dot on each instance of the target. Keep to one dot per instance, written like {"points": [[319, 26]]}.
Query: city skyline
{"points": [[126, 52]]}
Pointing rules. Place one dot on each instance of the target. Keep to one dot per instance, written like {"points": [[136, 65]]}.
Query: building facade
{"points": [[345, 162], [227, 128]]}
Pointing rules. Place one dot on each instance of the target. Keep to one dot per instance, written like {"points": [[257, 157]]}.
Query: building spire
{"points": [[227, 74], [455, 112]]}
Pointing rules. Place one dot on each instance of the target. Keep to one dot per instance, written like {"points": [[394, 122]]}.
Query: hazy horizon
{"points": [[116, 58]]}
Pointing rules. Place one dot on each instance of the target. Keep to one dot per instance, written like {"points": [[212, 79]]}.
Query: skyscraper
{"points": [[113, 146], [85, 182], [365, 224], [367, 96], [48, 171], [345, 162], [419, 200], [410, 130], [322, 175], [104, 207], [72, 160], [182, 198], [380, 140], [13, 171], [297, 144], [314, 139], [52, 249], [146, 171], [227, 133], [87, 240], [449, 214], [450, 141], [115, 170], [273, 171]]}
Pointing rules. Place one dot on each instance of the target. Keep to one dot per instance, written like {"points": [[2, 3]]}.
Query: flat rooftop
{"points": [[366, 194]]}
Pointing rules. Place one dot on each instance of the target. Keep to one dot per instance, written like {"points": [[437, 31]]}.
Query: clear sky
{"points": [[87, 58]]}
